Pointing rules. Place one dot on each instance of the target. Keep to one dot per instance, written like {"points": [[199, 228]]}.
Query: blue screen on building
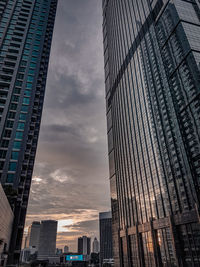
{"points": [[74, 257]]}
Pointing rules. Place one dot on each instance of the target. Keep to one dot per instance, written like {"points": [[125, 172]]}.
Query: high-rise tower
{"points": [[26, 28], [84, 244], [152, 78], [47, 239], [95, 246], [105, 231], [34, 235]]}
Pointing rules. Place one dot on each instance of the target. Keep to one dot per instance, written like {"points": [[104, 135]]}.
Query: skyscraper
{"points": [[152, 79], [95, 246], [105, 230], [34, 235], [26, 29], [84, 245], [47, 240]]}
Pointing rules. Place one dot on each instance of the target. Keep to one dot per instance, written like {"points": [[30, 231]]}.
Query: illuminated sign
{"points": [[74, 257]]}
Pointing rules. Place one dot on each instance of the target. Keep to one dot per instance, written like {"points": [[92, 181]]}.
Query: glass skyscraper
{"points": [[26, 28], [152, 79]]}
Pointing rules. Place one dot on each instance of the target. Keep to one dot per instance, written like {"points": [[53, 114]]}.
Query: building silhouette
{"points": [[66, 249], [105, 230], [47, 240], [152, 80], [26, 29], [95, 246], [34, 235], [84, 244]]}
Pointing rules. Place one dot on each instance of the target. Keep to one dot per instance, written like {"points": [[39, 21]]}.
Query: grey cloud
{"points": [[85, 225]]}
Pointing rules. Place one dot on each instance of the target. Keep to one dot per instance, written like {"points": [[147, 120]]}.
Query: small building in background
{"points": [[84, 245], [66, 249], [95, 246], [59, 251], [6, 221], [106, 249]]}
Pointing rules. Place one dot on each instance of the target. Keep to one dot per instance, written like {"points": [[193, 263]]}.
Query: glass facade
{"points": [[152, 81], [26, 29]]}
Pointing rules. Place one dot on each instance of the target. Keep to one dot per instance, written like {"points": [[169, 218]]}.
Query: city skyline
{"points": [[81, 149], [100, 139]]}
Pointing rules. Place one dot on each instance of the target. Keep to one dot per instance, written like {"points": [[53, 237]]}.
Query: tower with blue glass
{"points": [[152, 79], [26, 28]]}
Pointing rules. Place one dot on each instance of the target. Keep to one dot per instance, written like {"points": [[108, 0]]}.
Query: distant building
{"points": [[6, 221], [84, 245], [66, 249], [105, 224], [34, 235], [95, 246], [59, 251], [28, 254], [47, 240]]}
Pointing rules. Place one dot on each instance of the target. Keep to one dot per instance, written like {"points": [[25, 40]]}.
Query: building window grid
{"points": [[138, 72], [167, 127]]}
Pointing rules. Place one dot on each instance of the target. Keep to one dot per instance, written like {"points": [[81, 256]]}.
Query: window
{"points": [[10, 178], [32, 65], [3, 154], [14, 155], [24, 108], [22, 116], [19, 135], [12, 166], [30, 79], [17, 144], [27, 93], [13, 106], [23, 63], [29, 85], [26, 100], [20, 126], [9, 124]]}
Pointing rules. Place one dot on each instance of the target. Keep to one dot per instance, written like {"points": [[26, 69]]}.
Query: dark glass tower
{"points": [[84, 243], [105, 231], [26, 28], [152, 72]]}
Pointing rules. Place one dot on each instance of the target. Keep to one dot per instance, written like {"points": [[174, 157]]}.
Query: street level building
{"points": [[6, 222], [152, 79], [105, 230], [84, 244], [28, 254], [47, 240], [26, 28]]}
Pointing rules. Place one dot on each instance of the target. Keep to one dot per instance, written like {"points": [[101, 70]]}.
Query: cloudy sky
{"points": [[70, 182]]}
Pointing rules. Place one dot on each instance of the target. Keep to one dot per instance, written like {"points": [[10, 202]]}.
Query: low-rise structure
{"points": [[6, 221]]}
